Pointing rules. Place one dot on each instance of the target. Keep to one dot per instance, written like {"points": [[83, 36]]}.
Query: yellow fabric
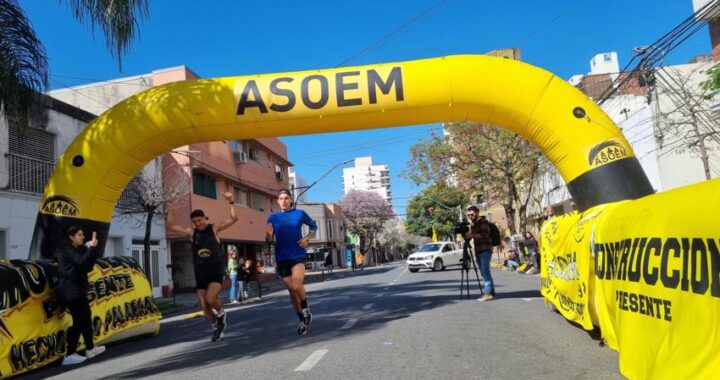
{"points": [[33, 328], [651, 268]]}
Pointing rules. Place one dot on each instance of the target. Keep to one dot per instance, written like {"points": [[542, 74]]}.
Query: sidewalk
{"points": [[188, 302]]}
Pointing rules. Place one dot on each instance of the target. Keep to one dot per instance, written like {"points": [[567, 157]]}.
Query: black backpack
{"points": [[495, 235]]}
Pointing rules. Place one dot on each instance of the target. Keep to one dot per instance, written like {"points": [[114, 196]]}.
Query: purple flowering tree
{"points": [[365, 213]]}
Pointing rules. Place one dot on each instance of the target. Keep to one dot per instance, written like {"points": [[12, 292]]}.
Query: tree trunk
{"points": [[146, 246], [510, 216], [509, 209], [701, 145], [523, 218]]}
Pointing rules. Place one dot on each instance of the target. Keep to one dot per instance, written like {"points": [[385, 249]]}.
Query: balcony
{"points": [[28, 174]]}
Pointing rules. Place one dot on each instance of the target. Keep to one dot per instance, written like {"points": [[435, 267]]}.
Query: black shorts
{"points": [[284, 268], [204, 276]]}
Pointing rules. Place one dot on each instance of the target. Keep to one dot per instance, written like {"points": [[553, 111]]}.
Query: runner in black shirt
{"points": [[208, 262]]}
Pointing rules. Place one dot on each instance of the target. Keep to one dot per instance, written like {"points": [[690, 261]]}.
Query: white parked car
{"points": [[435, 256]]}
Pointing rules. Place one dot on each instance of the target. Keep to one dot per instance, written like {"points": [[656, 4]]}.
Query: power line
{"points": [[549, 22], [404, 27], [655, 53]]}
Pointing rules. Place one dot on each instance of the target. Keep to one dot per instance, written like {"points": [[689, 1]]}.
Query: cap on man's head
{"points": [[197, 214]]}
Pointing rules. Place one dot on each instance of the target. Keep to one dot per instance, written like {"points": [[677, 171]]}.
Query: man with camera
{"points": [[480, 232]]}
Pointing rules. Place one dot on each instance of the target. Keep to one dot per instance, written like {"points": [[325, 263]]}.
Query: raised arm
{"points": [[180, 230], [233, 217]]}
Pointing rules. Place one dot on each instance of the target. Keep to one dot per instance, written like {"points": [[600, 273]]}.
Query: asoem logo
{"points": [[204, 253], [606, 152], [341, 89], [60, 205]]}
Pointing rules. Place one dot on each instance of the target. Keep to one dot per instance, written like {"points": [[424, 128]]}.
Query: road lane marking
{"points": [[368, 306], [350, 323], [379, 295], [310, 362]]}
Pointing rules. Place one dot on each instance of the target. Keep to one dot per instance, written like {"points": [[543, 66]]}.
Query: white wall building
{"points": [[368, 177], [297, 185]]}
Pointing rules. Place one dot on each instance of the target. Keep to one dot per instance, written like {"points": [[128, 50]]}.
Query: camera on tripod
{"points": [[462, 228]]}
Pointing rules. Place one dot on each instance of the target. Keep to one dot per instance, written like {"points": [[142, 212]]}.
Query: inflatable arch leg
{"points": [[584, 144]]}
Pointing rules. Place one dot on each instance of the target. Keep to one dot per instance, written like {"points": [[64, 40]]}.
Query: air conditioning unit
{"points": [[240, 157], [254, 154]]}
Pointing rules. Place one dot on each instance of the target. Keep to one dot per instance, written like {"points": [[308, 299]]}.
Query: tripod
{"points": [[467, 261]]}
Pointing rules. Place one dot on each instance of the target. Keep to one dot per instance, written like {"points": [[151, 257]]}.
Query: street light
{"points": [[306, 188]]}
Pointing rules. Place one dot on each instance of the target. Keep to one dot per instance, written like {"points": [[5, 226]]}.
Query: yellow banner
{"points": [[651, 268], [33, 327]]}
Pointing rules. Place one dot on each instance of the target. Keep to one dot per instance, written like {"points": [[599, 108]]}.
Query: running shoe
{"points": [[302, 328], [217, 335], [307, 316], [97, 350], [222, 321], [73, 359]]}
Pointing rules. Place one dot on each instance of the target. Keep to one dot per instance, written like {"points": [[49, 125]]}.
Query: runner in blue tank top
{"points": [[285, 228], [208, 261]]}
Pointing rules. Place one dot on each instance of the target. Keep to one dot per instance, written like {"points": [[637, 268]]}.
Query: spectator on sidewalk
{"points": [[512, 259], [75, 261], [531, 246], [329, 263], [232, 267], [244, 278]]}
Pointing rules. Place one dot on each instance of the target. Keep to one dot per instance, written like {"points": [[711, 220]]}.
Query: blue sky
{"points": [[231, 38]]}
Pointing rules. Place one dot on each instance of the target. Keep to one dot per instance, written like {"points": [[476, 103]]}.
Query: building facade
{"points": [[368, 177], [298, 186], [330, 237]]}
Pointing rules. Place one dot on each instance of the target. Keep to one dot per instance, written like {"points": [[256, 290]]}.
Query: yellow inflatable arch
{"points": [[581, 141]]}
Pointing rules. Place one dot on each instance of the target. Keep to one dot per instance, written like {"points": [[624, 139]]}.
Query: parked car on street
{"points": [[435, 256]]}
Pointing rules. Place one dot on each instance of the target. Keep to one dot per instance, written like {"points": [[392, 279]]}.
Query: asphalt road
{"points": [[384, 323]]}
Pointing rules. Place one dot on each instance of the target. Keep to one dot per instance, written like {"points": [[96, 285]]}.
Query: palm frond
{"points": [[118, 19], [23, 64]]}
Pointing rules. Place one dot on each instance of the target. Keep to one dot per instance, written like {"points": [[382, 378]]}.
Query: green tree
{"points": [[439, 205], [23, 61], [489, 162]]}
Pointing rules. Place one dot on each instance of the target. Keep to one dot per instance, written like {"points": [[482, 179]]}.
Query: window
{"points": [[256, 154], [329, 226], [239, 145], [155, 263], [279, 173], [31, 159], [3, 253], [259, 201], [242, 197], [204, 185], [139, 256]]}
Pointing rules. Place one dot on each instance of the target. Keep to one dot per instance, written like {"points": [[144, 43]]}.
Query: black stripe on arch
{"points": [[619, 180]]}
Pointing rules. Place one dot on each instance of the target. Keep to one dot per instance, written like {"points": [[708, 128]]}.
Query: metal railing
{"points": [[28, 174]]}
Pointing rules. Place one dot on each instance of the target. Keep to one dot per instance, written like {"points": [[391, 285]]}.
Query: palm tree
{"points": [[23, 62]]}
